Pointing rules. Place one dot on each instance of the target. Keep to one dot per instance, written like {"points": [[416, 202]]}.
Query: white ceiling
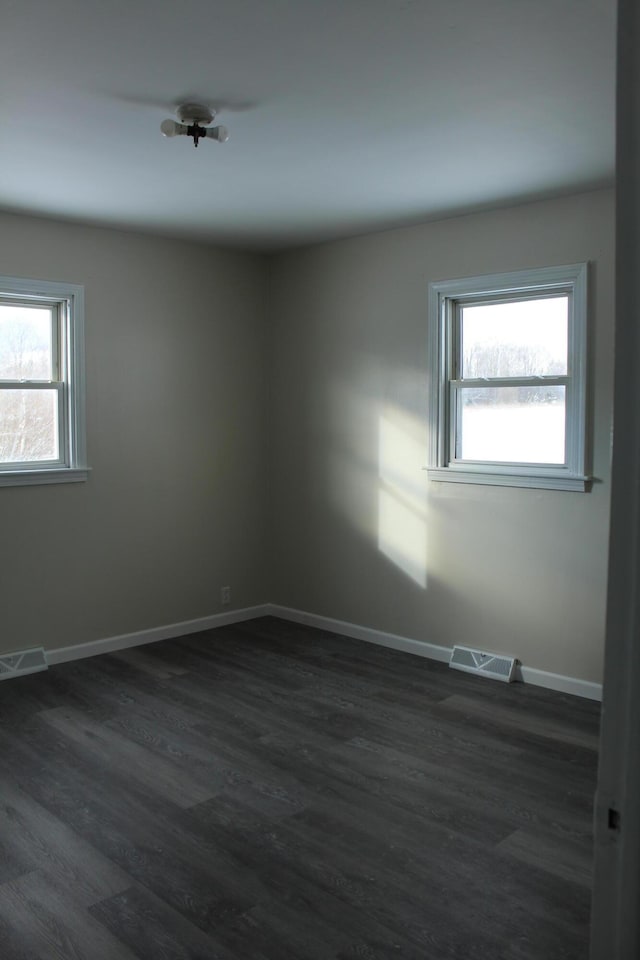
{"points": [[344, 115]]}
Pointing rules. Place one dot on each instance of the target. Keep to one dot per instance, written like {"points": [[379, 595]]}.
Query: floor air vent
{"points": [[484, 664], [25, 661]]}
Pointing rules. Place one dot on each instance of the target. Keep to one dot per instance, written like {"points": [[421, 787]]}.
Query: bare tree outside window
{"points": [[28, 416], [42, 385]]}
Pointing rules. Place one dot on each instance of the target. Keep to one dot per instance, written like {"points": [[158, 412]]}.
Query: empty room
{"points": [[319, 547]]}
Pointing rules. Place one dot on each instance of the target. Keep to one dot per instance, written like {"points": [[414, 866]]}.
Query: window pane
{"points": [[525, 338], [25, 342], [28, 425], [512, 424]]}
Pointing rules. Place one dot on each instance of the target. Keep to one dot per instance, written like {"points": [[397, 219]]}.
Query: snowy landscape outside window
{"points": [[508, 379]]}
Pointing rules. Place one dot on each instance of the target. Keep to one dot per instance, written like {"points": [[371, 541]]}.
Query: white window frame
{"points": [[445, 299], [67, 300]]}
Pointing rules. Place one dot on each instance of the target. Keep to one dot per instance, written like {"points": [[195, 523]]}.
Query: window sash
{"points": [[456, 383], [66, 301], [455, 320], [57, 312], [455, 422], [489, 382], [446, 300], [58, 382], [62, 407], [513, 296]]}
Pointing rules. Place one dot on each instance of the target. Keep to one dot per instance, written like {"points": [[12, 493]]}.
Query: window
{"points": [[508, 379], [42, 434]]}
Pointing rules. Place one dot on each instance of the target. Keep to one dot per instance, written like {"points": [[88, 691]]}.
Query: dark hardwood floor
{"points": [[272, 792]]}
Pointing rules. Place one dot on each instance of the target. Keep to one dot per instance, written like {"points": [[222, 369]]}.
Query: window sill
{"points": [[547, 481], [18, 478]]}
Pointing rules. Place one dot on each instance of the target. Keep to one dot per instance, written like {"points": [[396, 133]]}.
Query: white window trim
{"points": [[74, 468], [443, 296]]}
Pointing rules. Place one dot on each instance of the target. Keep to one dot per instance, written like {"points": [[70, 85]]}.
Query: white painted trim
{"points": [[541, 481], [140, 637], [444, 298], [18, 478], [615, 918], [557, 681], [70, 382], [406, 644], [420, 648]]}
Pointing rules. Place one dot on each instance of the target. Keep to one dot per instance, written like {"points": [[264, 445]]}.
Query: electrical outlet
{"points": [[225, 595]]}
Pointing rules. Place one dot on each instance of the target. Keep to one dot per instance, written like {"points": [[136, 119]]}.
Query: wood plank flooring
{"points": [[268, 791]]}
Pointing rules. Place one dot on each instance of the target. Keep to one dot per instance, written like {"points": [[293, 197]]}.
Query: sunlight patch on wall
{"points": [[402, 526]]}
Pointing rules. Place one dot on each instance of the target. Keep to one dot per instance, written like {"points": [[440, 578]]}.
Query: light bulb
{"points": [[169, 128], [220, 134]]}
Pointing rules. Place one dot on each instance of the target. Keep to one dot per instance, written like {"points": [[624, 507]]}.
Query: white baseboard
{"points": [[406, 644], [169, 632], [556, 681], [538, 678]]}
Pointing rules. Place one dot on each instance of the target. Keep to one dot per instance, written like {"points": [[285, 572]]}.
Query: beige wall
{"points": [[360, 533], [175, 505], [317, 499]]}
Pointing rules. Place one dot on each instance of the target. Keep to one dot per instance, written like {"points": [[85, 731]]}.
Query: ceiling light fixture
{"points": [[193, 121]]}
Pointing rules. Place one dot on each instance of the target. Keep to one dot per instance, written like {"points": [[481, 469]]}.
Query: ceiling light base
{"points": [[195, 113]]}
